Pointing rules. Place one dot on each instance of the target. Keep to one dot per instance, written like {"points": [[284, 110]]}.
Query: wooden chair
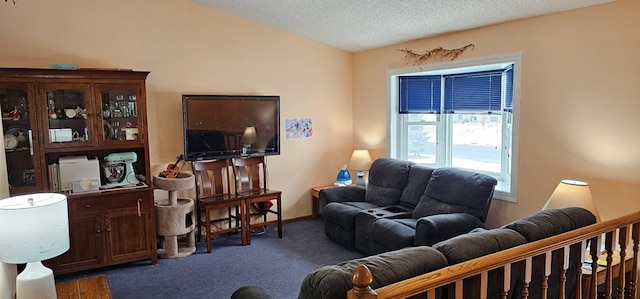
{"points": [[213, 192], [251, 183]]}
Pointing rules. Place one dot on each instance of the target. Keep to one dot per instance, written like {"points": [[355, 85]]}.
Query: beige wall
{"points": [[580, 107], [189, 48]]}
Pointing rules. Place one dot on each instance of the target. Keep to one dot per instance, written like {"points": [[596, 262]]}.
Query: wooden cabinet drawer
{"points": [[110, 202]]}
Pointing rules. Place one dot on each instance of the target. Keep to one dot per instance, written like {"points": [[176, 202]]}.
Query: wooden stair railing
{"points": [[535, 254]]}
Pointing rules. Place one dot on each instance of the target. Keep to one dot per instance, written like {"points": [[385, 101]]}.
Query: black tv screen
{"points": [[225, 126]]}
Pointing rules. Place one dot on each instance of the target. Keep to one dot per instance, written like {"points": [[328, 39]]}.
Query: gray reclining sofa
{"points": [[405, 205]]}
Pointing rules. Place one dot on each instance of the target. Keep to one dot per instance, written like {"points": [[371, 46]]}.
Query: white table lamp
{"points": [[34, 228], [570, 193], [360, 161]]}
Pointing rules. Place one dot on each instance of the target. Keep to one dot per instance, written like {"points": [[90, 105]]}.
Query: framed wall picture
{"points": [[29, 177], [299, 127]]}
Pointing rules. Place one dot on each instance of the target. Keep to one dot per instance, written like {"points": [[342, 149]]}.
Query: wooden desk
{"points": [[92, 287], [601, 272]]}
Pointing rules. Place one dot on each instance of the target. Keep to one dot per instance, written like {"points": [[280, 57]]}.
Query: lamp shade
{"points": [[570, 193], [360, 160], [33, 227], [249, 135]]}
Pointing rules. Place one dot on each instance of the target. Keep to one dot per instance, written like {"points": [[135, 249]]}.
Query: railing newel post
{"points": [[361, 279]]}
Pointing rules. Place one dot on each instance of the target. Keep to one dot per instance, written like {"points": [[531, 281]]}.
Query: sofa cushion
{"points": [[340, 221], [344, 213], [479, 243], [387, 179], [392, 234], [452, 190], [416, 184], [387, 268], [437, 228], [549, 223]]}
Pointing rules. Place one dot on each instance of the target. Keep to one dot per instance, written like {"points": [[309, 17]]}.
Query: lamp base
{"points": [[36, 281], [246, 150], [8, 273], [360, 181]]}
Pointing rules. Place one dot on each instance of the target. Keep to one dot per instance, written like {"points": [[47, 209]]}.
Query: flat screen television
{"points": [[225, 126]]}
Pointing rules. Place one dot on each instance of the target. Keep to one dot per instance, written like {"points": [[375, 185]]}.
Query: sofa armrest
{"points": [[435, 228], [342, 194]]}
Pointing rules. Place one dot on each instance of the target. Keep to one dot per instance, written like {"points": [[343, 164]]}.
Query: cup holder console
{"points": [[387, 211], [394, 209]]}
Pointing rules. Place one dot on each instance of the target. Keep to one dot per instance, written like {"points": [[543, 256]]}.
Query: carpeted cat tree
{"points": [[175, 216]]}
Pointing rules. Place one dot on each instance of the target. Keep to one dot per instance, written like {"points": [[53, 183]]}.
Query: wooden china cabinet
{"points": [[51, 114]]}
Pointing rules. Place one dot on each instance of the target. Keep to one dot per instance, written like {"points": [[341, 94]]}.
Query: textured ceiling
{"points": [[356, 25]]}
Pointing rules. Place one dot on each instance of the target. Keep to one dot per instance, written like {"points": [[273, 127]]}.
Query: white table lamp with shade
{"points": [[33, 228], [572, 193], [360, 161]]}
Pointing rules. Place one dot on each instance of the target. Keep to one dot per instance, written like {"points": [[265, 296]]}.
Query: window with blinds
{"points": [[459, 117]]}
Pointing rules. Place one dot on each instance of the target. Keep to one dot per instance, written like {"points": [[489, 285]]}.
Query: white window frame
{"points": [[507, 188]]}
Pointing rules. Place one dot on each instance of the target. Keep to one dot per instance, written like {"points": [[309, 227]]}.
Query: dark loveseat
{"points": [[404, 205], [333, 282]]}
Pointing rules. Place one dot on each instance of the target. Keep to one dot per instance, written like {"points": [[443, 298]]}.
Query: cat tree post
{"points": [[175, 216]]}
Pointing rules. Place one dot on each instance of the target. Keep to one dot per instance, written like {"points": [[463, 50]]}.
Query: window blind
{"points": [[508, 106], [476, 92], [473, 92], [420, 94]]}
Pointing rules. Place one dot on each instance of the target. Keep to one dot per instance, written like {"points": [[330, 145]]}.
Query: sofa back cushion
{"points": [[387, 179], [334, 281], [478, 243], [549, 223], [452, 190], [416, 184]]}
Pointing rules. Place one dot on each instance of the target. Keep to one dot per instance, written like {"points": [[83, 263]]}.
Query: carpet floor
{"points": [[278, 265]]}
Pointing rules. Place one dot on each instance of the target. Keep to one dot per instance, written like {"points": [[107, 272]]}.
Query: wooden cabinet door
{"points": [[122, 114], [86, 232], [128, 233], [17, 102], [65, 115]]}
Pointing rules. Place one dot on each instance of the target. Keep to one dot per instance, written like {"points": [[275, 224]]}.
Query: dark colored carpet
{"points": [[278, 265]]}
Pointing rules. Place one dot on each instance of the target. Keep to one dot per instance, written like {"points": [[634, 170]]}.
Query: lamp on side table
{"points": [[360, 161]]}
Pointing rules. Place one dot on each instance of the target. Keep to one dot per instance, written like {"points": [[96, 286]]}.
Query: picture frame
{"points": [[29, 177]]}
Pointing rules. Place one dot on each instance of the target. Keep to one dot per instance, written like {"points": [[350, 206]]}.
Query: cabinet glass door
{"points": [[67, 110], [19, 131], [120, 113]]}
